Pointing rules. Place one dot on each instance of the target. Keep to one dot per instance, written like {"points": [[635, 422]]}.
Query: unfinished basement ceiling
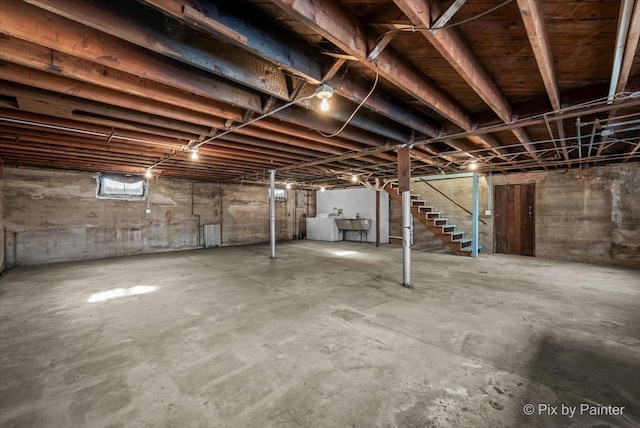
{"points": [[125, 86]]}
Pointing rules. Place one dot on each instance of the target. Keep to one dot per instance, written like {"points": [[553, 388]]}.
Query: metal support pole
{"points": [[406, 238], [475, 216], [272, 211], [377, 218]]}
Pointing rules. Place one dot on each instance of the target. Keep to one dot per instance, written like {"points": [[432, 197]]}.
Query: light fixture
{"points": [[148, 174], [473, 165], [322, 189], [324, 92], [354, 178], [288, 186], [194, 153]]}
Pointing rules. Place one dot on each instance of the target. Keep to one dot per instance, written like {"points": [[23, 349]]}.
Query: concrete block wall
{"points": [[591, 218], [52, 216]]}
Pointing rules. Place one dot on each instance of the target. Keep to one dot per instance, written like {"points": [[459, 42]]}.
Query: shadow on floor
{"points": [[593, 384]]}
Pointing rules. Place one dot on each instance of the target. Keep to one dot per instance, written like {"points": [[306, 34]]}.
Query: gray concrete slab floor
{"points": [[322, 336]]}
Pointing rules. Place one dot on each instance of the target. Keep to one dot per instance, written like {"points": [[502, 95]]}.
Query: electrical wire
{"points": [[230, 130], [414, 28], [364, 100]]}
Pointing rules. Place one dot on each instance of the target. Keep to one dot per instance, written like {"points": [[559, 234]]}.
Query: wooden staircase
{"points": [[434, 221]]}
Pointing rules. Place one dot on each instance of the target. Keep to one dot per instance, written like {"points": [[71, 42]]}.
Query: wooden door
{"points": [[514, 219]]}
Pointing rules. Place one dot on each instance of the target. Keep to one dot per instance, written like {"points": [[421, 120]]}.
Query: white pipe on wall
{"points": [[272, 211], [406, 238], [626, 8]]}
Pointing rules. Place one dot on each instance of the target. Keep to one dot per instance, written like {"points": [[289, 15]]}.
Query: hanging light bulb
{"points": [[473, 165], [148, 174], [194, 154], [324, 92], [354, 178], [322, 189], [288, 186]]}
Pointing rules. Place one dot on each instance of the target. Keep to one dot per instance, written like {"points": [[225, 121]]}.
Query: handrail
{"points": [[434, 188]]}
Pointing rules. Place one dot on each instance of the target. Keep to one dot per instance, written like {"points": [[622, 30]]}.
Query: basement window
{"points": [[121, 186], [281, 194]]}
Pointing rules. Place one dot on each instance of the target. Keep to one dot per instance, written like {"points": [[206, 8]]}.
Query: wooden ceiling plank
{"points": [[533, 20], [336, 24], [51, 121], [112, 111], [63, 85], [42, 28], [268, 45], [295, 58], [452, 46], [44, 59], [231, 63]]}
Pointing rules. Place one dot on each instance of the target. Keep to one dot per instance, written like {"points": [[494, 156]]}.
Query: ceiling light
{"points": [[148, 174], [354, 178], [288, 186], [322, 189], [194, 153], [324, 92], [473, 165]]}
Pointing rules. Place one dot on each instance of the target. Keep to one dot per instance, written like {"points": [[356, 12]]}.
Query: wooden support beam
{"points": [[380, 45], [402, 114], [225, 25], [632, 153], [46, 60], [297, 58], [404, 169], [42, 28], [562, 138], [231, 63], [63, 85], [52, 122], [335, 67], [334, 23], [448, 14], [452, 46], [524, 139], [534, 24]]}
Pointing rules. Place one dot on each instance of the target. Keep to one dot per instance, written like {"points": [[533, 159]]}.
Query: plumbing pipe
{"points": [[621, 41], [272, 211], [406, 238], [475, 216]]}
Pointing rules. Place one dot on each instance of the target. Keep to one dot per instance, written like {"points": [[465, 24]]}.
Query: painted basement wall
{"points": [[53, 216], [593, 219]]}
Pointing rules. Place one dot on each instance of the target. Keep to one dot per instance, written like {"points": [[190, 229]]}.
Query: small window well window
{"points": [[281, 194], [121, 186]]}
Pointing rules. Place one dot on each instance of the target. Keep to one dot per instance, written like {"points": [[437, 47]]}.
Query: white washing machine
{"points": [[323, 227]]}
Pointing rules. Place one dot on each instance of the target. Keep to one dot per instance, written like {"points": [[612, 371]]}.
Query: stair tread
{"points": [[469, 248], [427, 212]]}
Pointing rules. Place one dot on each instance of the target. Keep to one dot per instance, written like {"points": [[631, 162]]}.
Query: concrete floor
{"points": [[324, 336]]}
